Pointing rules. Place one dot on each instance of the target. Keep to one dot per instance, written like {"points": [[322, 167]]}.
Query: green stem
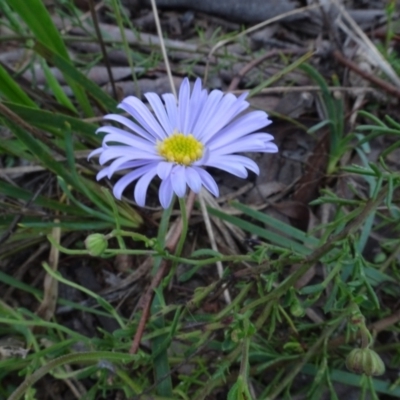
{"points": [[244, 363], [84, 357], [176, 258], [159, 345], [184, 217], [102, 302]]}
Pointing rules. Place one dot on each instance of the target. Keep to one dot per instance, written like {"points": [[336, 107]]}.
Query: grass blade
{"points": [[12, 91], [260, 232], [106, 101]]}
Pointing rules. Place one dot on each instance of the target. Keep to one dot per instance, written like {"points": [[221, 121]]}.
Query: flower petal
{"points": [[228, 108], [183, 106], [141, 113], [253, 142], [208, 181], [193, 179], [197, 101], [209, 109], [172, 110], [159, 110], [95, 152], [115, 165], [166, 192], [113, 152], [164, 169], [131, 125], [142, 185], [236, 161], [178, 180], [119, 136], [125, 165], [271, 148], [129, 178], [101, 174], [226, 165], [240, 127]]}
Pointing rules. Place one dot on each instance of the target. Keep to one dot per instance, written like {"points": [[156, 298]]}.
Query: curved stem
{"points": [[67, 359]]}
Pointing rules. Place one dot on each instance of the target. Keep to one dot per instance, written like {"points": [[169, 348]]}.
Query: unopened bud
{"points": [[297, 310], [236, 335], [96, 243], [365, 361]]}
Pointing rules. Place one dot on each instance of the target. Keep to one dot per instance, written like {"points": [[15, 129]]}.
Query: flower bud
{"points": [[365, 361], [236, 335], [297, 310], [96, 243]]}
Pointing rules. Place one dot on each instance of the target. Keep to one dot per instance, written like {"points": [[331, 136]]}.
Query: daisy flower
{"points": [[180, 140]]}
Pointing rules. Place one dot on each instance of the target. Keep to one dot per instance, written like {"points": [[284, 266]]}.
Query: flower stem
{"points": [[159, 345], [184, 217]]}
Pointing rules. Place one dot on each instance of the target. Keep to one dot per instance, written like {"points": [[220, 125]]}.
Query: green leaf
{"points": [[286, 229], [36, 16], [261, 232], [55, 122], [106, 101], [42, 153], [12, 91], [56, 88], [71, 226], [38, 20], [21, 194], [205, 252], [280, 74], [16, 148]]}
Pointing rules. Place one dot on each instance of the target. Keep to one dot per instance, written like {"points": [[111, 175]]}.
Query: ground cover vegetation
{"points": [[286, 286]]}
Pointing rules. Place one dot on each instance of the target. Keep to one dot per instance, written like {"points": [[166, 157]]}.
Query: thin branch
{"points": [[387, 87], [103, 47], [147, 298]]}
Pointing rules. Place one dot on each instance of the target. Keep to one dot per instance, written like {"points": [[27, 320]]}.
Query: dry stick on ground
{"points": [[387, 87], [147, 298], [254, 63], [103, 47]]}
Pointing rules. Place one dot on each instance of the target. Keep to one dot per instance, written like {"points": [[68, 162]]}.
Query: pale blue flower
{"points": [[180, 140]]}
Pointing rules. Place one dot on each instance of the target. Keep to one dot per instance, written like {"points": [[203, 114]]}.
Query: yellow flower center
{"points": [[180, 149]]}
